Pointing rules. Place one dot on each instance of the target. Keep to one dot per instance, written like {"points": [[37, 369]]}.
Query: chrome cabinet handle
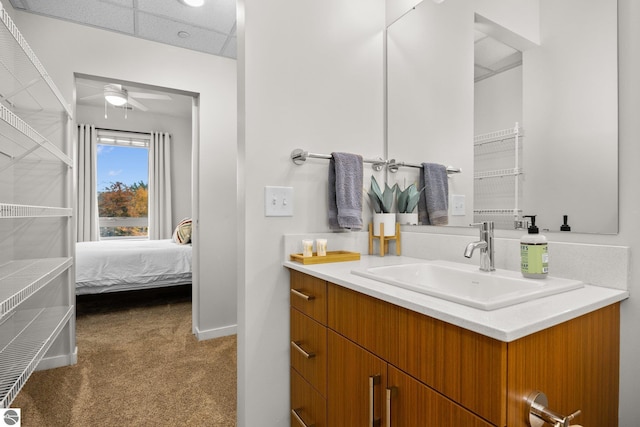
{"points": [[374, 380], [301, 295], [299, 419], [391, 393], [296, 345]]}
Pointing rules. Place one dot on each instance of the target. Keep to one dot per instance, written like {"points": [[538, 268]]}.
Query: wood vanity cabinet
{"points": [[377, 364]]}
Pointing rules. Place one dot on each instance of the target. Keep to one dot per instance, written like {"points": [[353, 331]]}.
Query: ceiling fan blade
{"points": [[96, 96], [143, 95], [136, 104]]}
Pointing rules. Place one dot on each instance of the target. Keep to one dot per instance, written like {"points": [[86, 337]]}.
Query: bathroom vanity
{"points": [[366, 353]]}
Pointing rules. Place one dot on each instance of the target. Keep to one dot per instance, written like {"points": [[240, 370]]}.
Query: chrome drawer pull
{"points": [[301, 295], [294, 412], [296, 345]]}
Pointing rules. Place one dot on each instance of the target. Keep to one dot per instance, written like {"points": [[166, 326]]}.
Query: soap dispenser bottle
{"points": [[534, 255]]}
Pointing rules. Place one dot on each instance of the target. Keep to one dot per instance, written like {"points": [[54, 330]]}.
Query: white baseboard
{"points": [[58, 361], [216, 333]]}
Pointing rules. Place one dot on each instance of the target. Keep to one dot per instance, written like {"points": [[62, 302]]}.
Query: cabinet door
{"points": [[575, 363], [411, 403], [356, 385], [467, 367]]}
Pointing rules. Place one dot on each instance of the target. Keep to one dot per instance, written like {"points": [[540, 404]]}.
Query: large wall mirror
{"points": [[522, 96]]}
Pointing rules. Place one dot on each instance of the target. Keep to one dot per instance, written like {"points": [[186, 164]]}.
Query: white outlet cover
{"points": [[278, 201]]}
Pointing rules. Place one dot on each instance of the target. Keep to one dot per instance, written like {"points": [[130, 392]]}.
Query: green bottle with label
{"points": [[534, 255]]}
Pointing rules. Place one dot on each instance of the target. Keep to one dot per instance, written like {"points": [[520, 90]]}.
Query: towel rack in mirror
{"points": [[299, 156], [393, 167]]}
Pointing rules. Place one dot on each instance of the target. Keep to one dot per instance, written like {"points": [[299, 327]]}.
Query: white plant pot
{"points": [[389, 221], [407, 219]]}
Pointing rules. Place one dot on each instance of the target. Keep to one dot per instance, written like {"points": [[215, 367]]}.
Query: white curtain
{"points": [[160, 186], [87, 200]]}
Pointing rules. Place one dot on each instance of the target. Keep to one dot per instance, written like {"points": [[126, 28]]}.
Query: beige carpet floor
{"points": [[138, 365]]}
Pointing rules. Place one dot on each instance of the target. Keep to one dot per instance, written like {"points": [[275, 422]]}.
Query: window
{"points": [[122, 184]]}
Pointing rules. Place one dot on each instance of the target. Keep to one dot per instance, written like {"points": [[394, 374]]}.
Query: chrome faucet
{"points": [[485, 244]]}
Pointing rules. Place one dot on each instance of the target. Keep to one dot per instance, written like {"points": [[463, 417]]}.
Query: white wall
{"points": [[180, 130], [629, 203], [310, 76], [65, 48]]}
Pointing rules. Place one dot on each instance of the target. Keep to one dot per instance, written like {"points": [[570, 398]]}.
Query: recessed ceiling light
{"points": [[192, 3], [184, 34]]}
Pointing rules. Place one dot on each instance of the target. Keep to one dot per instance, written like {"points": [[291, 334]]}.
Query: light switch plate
{"points": [[278, 201], [457, 205]]}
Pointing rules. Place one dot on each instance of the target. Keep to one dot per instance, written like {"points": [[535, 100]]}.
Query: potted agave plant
{"points": [[382, 204], [407, 200]]}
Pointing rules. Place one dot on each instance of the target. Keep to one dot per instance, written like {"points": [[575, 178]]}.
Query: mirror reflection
{"points": [[521, 96]]}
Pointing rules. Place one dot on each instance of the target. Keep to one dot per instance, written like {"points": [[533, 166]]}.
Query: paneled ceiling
{"points": [[209, 29]]}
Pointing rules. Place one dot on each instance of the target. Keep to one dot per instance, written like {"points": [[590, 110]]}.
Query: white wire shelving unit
{"points": [[497, 188], [21, 140], [23, 278], [37, 295], [36, 329]]}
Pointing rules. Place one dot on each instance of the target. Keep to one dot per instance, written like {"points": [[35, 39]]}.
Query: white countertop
{"points": [[504, 324]]}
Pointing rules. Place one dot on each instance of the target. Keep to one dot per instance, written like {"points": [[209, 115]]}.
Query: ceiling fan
{"points": [[119, 96]]}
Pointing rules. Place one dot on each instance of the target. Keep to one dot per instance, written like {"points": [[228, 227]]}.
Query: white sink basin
{"points": [[466, 284]]}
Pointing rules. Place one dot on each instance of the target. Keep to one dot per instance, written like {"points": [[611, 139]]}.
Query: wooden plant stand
{"points": [[384, 240]]}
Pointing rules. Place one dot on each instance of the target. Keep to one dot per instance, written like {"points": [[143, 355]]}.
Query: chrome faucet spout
{"points": [[468, 252], [485, 244]]}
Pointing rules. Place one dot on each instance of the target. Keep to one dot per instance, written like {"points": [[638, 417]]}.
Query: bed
{"points": [[123, 265]]}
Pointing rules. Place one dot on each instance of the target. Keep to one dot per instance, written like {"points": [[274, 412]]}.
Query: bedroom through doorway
{"points": [[136, 182]]}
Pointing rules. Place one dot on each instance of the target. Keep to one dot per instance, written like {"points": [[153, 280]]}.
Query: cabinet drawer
{"points": [[361, 318], [465, 366], [309, 350], [308, 407], [309, 295]]}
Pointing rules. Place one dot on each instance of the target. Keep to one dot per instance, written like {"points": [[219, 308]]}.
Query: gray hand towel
{"points": [[345, 191], [433, 205]]}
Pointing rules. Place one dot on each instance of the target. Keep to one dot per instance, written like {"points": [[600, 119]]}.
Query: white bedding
{"points": [[118, 265]]}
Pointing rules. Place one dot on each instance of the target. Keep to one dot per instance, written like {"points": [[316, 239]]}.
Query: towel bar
{"points": [[299, 156]]}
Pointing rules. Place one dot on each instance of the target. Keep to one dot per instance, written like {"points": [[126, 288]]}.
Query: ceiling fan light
{"points": [[117, 97], [192, 3]]}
